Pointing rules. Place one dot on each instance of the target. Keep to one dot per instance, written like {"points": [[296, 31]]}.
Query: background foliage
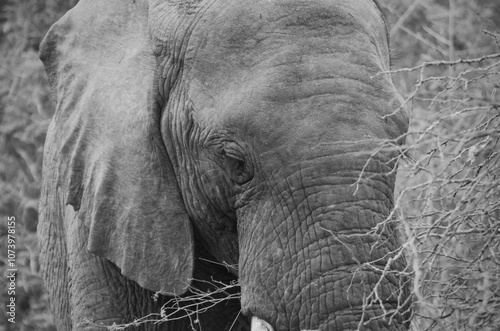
{"points": [[448, 203], [448, 196], [25, 111]]}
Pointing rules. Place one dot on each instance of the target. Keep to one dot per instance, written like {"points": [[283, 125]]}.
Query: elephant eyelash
{"points": [[233, 155], [234, 161], [233, 150]]}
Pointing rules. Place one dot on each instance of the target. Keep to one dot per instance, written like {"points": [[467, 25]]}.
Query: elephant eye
{"points": [[235, 164]]}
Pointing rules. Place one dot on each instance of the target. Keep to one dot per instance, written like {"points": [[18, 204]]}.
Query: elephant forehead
{"points": [[296, 68], [242, 34]]}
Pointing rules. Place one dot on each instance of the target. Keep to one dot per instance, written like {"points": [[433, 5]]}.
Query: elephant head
{"points": [[248, 131]]}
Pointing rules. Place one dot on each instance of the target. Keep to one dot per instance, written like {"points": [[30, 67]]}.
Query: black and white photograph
{"points": [[250, 165]]}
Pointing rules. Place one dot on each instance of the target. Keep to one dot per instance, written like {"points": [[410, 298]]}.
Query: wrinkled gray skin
{"points": [[225, 131]]}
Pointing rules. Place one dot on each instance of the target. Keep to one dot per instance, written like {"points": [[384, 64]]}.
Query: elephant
{"points": [[245, 151]]}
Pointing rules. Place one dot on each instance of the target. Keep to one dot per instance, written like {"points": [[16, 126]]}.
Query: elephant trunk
{"points": [[323, 254]]}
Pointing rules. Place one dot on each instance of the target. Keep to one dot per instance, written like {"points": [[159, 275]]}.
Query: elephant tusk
{"points": [[260, 325]]}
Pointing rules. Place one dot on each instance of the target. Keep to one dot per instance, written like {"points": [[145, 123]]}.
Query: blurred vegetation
{"points": [[447, 67], [448, 196], [25, 112]]}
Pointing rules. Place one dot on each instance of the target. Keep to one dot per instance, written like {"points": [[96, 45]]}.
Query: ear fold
{"points": [[106, 144]]}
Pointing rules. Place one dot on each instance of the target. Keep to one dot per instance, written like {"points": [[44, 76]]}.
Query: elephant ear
{"points": [[105, 141]]}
